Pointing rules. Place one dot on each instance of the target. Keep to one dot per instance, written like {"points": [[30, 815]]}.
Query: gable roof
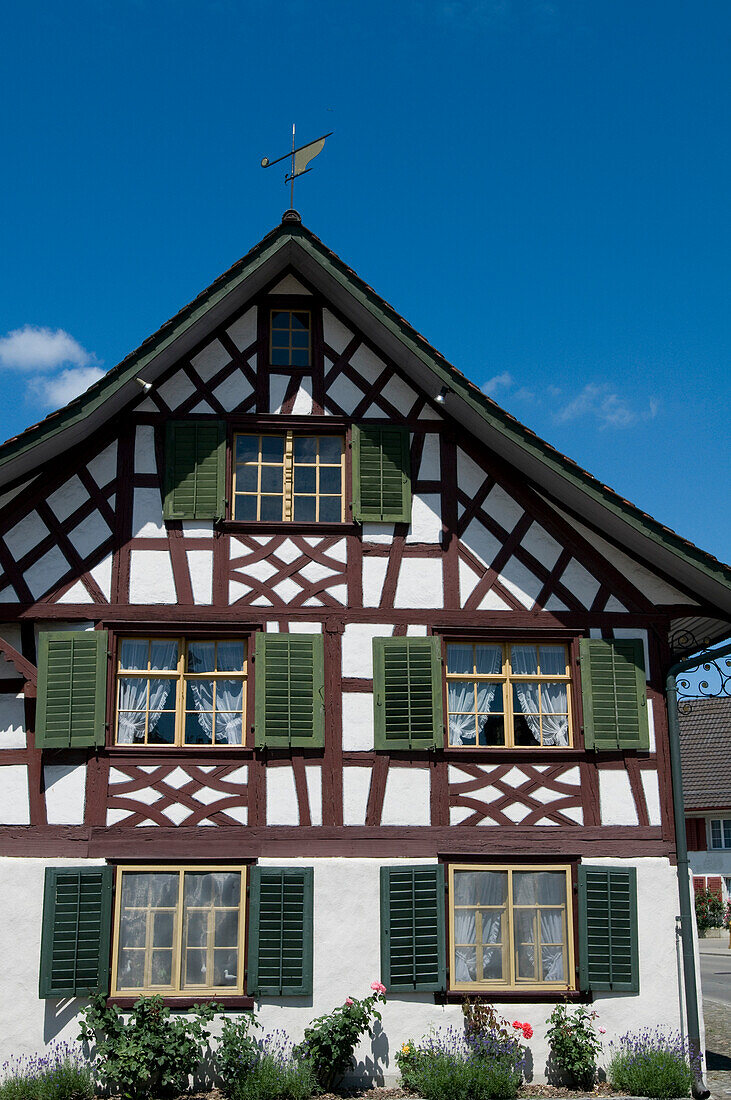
{"points": [[557, 476], [705, 751]]}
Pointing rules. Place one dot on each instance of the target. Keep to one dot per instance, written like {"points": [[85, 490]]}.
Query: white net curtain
{"points": [[544, 700]]}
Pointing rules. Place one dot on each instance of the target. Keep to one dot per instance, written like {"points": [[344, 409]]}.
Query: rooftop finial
{"points": [[301, 157], [291, 216]]}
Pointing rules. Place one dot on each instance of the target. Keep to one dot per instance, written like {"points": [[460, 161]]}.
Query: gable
{"points": [[204, 362]]}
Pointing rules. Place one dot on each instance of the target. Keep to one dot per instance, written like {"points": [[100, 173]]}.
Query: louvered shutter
{"points": [[280, 931], [77, 919], [695, 834], [608, 929], [699, 884], [195, 469], [407, 693], [381, 474], [72, 688], [715, 885], [614, 694], [290, 690], [412, 928]]}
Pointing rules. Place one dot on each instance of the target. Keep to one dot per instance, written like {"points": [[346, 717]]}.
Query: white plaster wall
{"points": [[103, 467], [14, 798], [616, 804], [145, 460], [419, 583], [65, 793], [357, 647], [335, 333], [426, 518], [67, 498], [282, 808], [346, 961], [356, 786], [243, 334], [46, 572], [10, 632], [406, 799], [358, 721], [200, 565], [147, 521], [12, 721], [151, 577], [374, 574]]}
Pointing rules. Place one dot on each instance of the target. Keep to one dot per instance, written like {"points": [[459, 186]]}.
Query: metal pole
{"points": [[291, 180], [700, 1089]]}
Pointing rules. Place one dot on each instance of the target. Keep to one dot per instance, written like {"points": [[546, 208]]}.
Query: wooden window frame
{"points": [[289, 464], [178, 990], [270, 342], [722, 847], [181, 678], [509, 951], [507, 678]]}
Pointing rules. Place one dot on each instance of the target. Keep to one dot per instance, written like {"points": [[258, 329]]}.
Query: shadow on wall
{"points": [[369, 1071], [58, 1014]]}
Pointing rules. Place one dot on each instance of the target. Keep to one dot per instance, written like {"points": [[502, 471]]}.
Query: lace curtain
{"points": [[461, 693], [133, 690], [552, 699]]}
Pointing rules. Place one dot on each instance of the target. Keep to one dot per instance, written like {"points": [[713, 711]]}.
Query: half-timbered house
{"points": [[317, 667]]}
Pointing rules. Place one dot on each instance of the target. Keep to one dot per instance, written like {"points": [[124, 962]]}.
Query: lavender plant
{"points": [[271, 1070], [59, 1074], [449, 1065], [652, 1063]]}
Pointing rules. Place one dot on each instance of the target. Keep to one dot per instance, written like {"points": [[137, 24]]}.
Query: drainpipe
{"points": [[700, 1089]]}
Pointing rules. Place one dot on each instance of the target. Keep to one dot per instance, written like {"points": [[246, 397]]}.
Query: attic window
{"points": [[290, 338]]}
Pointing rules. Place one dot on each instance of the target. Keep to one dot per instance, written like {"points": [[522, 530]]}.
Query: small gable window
{"points": [[721, 832], [289, 476], [290, 336]]}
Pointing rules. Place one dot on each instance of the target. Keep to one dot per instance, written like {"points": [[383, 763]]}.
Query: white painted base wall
{"points": [[346, 961]]}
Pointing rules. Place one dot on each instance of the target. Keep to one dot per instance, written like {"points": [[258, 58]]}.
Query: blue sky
{"points": [[540, 186]]}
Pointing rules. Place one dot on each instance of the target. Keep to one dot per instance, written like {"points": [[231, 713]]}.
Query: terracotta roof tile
{"points": [[705, 750]]}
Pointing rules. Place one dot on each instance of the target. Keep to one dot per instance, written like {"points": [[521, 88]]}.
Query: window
{"points": [[510, 927], [290, 341], [288, 476], [508, 694], [179, 930], [177, 691], [721, 832]]}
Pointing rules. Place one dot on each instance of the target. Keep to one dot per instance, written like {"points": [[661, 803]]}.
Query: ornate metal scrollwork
{"points": [[716, 682]]}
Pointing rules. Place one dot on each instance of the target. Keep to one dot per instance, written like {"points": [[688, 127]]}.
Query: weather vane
{"points": [[301, 157]]}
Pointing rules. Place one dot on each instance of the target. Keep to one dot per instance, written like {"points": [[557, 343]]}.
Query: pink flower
{"points": [[602, 1031], [378, 987], [517, 1025], [348, 1001], [528, 1031]]}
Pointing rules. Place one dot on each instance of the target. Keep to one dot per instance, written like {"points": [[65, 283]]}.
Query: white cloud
{"points": [[54, 391], [499, 381], [36, 348], [611, 410]]}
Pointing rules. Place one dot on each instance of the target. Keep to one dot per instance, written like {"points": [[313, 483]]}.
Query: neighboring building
{"points": [[705, 739], [318, 668]]}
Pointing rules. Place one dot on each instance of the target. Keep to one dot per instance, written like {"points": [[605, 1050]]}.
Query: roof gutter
{"points": [[700, 1089]]}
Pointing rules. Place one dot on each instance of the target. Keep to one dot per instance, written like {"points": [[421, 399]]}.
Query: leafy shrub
{"points": [[727, 915], [574, 1045], [237, 1050], [277, 1073], [651, 1063], [61, 1074], [708, 910], [149, 1054], [449, 1065], [330, 1040]]}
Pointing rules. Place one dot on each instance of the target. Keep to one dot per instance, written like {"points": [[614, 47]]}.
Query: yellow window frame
{"points": [[507, 678], [178, 988], [288, 468], [290, 345], [181, 678], [509, 946]]}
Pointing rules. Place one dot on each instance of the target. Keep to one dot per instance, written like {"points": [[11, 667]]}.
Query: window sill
{"points": [[514, 996], [183, 1003], [289, 526]]}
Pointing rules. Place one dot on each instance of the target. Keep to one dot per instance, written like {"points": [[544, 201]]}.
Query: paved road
{"points": [[716, 976], [716, 985]]}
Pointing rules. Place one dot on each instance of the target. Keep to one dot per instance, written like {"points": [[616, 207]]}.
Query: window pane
{"points": [[161, 730], [331, 510], [272, 479], [201, 657], [156, 889], [300, 339], [230, 656], [300, 320], [247, 479], [459, 658], [195, 967], [228, 729], [716, 841], [553, 660], [539, 887], [488, 659], [305, 448], [272, 448], [225, 967], [525, 697], [490, 697], [526, 962], [198, 729], [330, 479], [163, 929], [465, 964], [491, 730], [305, 508], [331, 448], [553, 965], [132, 929], [133, 653], [280, 320], [461, 696], [271, 508], [247, 448], [480, 887], [161, 970], [131, 970], [164, 654], [462, 729], [727, 833], [300, 358], [492, 964], [245, 508], [524, 660], [227, 927], [305, 479], [553, 699]]}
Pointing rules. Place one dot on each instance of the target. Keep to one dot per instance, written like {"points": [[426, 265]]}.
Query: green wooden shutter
{"points": [[195, 469], [407, 693], [608, 955], [412, 928], [614, 694], [290, 689], [280, 931], [381, 474], [77, 921], [72, 688]]}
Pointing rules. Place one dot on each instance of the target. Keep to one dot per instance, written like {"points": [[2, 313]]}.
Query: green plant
{"points": [[60, 1074], [451, 1066], [275, 1073], [237, 1050], [652, 1063], [574, 1045], [407, 1060], [708, 910], [727, 915], [330, 1040], [150, 1053]]}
